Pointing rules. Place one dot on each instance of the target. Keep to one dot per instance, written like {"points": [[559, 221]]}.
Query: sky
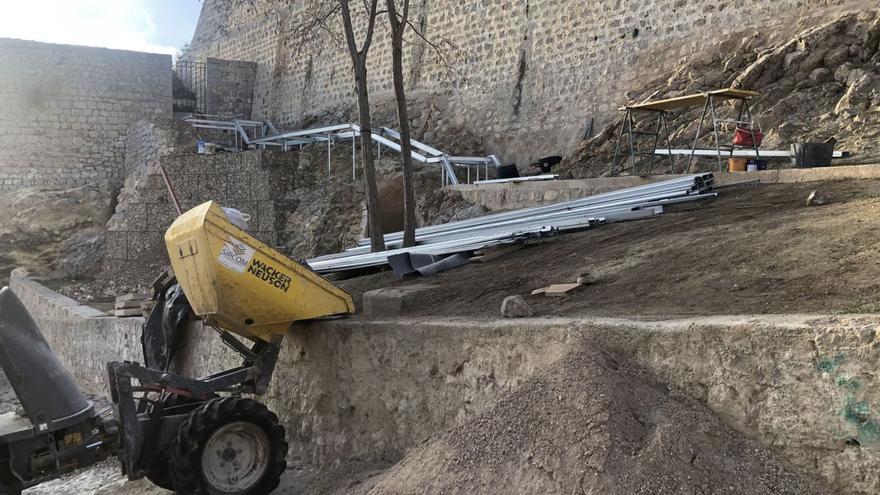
{"points": [[157, 26]]}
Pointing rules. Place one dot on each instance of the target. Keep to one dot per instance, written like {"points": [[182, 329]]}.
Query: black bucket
{"points": [[508, 172], [808, 155]]}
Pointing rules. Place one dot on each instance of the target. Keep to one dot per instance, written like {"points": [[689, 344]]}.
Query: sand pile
{"points": [[593, 424]]}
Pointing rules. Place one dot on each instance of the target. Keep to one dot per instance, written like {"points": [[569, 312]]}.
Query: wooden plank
{"points": [[125, 313], [128, 304], [135, 296], [561, 290], [693, 99], [540, 291]]}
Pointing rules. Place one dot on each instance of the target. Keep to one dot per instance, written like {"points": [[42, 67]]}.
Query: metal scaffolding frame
{"points": [[262, 134], [660, 130]]}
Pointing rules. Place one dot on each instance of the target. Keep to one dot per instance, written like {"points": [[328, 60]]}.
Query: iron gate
{"points": [[189, 87]]}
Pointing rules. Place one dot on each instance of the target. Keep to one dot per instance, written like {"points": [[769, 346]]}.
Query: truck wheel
{"points": [[158, 474], [229, 446]]}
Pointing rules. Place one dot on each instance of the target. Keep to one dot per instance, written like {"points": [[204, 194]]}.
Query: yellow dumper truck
{"points": [[191, 435]]}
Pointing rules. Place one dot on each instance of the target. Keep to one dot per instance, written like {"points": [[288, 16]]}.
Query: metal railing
{"points": [[262, 134]]}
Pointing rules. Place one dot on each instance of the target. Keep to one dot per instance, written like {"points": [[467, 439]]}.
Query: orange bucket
{"points": [[736, 164]]}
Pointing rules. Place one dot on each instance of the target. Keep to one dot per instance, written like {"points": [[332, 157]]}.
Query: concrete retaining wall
{"points": [[510, 196], [368, 390]]}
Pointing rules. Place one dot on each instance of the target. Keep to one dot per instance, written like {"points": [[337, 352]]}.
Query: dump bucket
{"points": [[736, 165], [240, 284]]}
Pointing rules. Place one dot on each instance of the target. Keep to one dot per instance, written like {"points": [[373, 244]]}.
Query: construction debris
{"points": [[517, 226], [815, 199], [134, 304]]}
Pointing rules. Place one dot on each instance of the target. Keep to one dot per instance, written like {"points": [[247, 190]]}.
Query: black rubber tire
{"points": [[159, 474], [194, 432]]}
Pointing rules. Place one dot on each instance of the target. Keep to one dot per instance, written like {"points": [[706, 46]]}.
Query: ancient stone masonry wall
{"points": [[230, 86], [526, 76], [65, 111]]}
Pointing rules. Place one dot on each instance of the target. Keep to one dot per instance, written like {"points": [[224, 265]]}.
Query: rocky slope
{"points": [[822, 82]]}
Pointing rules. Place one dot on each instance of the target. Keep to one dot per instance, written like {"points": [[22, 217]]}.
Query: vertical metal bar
{"points": [[469, 174], [328, 155], [752, 127], [739, 118], [656, 140], [715, 131], [697, 137], [672, 158], [632, 148], [616, 148], [354, 157]]}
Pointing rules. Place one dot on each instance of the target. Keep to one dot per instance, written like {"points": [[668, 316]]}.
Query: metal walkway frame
{"points": [[263, 134]]}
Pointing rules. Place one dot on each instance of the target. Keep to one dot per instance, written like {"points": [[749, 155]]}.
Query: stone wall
{"points": [[230, 87], [255, 182], [526, 77], [65, 110]]}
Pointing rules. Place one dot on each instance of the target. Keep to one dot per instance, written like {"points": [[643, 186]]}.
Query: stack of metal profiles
{"points": [[528, 223]]}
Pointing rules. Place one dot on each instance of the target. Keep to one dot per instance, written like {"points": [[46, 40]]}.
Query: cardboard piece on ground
{"points": [[561, 290]]}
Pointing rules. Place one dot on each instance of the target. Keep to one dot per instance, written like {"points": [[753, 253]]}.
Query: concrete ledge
{"points": [[361, 389], [392, 301], [524, 194]]}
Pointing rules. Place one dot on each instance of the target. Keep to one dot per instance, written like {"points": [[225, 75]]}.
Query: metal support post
{"points": [[715, 130], [616, 147], [672, 157], [697, 137], [632, 149], [748, 109], [354, 157], [328, 155]]}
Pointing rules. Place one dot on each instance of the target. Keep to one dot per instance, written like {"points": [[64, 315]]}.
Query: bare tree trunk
{"points": [[398, 26], [359, 64]]}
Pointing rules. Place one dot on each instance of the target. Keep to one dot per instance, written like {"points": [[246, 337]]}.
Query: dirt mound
{"points": [[592, 423], [820, 83]]}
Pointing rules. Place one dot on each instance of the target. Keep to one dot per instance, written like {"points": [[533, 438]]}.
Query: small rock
{"points": [[836, 56], [516, 307], [821, 75]]}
